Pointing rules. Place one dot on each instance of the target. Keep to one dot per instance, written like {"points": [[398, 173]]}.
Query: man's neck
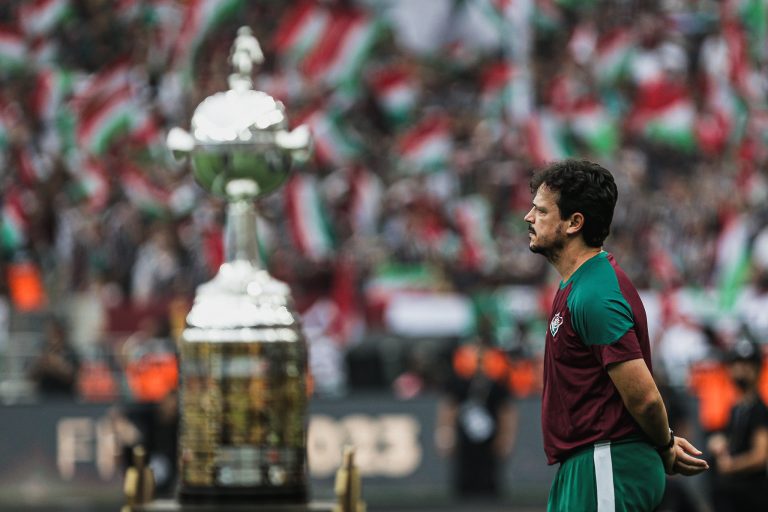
{"points": [[572, 257]]}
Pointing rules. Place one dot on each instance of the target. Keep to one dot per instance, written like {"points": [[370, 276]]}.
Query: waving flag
{"points": [[308, 219], [141, 191], [31, 167], [339, 55], [334, 145], [671, 122], [426, 147], [13, 49], [102, 121], [396, 92], [393, 278], [497, 89], [594, 126], [40, 17], [732, 259], [366, 192], [347, 324], [200, 19], [106, 82], [474, 218], [92, 182], [51, 89], [730, 110], [613, 54], [14, 227], [300, 30], [546, 138], [6, 124]]}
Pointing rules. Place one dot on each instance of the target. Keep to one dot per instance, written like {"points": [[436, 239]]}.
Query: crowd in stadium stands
{"points": [[427, 128]]}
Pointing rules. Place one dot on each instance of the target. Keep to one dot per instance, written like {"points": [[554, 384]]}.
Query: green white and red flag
{"points": [[497, 89], [14, 228], [339, 55], [308, 220], [393, 278], [13, 49], [673, 123], [106, 82], [30, 166], [547, 16], [52, 88], [750, 18], [5, 131], [473, 217], [546, 138], [286, 85], [93, 183], [366, 190], [613, 55], [300, 30], [42, 53], [662, 264], [103, 120], [593, 125], [333, 144], [347, 324], [200, 19], [427, 146], [40, 17], [738, 56], [725, 103], [142, 192], [732, 259], [396, 91]]}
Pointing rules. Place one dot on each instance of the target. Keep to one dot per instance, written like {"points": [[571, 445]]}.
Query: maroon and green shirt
{"points": [[597, 319]]}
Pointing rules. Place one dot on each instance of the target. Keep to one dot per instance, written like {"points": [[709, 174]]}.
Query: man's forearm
{"points": [[642, 399], [651, 415]]}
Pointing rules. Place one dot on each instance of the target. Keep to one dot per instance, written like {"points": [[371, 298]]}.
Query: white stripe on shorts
{"points": [[604, 477]]}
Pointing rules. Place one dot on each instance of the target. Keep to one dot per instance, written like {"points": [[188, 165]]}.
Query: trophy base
{"points": [[286, 495], [174, 506]]}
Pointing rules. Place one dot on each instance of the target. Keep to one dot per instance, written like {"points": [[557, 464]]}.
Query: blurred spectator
{"points": [[149, 360], [54, 371], [155, 427], [741, 452], [476, 420]]}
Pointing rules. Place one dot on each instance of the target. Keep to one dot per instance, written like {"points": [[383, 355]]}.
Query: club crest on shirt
{"points": [[555, 324]]}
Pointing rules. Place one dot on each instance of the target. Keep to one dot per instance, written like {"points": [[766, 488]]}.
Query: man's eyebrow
{"points": [[540, 208]]}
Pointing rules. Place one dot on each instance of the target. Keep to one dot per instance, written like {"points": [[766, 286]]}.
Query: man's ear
{"points": [[575, 223]]}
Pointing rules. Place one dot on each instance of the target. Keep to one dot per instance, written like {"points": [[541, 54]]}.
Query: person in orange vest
{"points": [[476, 418], [740, 451]]}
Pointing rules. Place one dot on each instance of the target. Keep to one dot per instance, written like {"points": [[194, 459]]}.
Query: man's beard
{"points": [[553, 250]]}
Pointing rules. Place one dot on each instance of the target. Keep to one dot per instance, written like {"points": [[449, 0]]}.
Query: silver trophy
{"points": [[243, 354]]}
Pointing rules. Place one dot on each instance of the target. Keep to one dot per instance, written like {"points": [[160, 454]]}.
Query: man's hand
{"points": [[682, 459]]}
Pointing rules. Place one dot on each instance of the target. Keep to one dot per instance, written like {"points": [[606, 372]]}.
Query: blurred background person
{"points": [[476, 419], [54, 371], [740, 452]]}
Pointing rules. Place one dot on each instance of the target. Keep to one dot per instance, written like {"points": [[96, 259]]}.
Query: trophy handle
{"points": [[298, 142], [180, 142]]}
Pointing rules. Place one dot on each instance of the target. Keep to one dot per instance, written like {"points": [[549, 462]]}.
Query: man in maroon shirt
{"points": [[603, 418]]}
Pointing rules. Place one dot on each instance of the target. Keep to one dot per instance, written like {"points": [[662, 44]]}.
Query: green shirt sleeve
{"points": [[600, 315]]}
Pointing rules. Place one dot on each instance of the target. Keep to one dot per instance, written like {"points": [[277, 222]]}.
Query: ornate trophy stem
{"points": [[240, 237]]}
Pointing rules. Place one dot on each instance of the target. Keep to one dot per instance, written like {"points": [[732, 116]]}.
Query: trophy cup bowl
{"points": [[243, 353], [240, 134]]}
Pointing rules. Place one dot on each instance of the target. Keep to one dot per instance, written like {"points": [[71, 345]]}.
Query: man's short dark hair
{"points": [[583, 187]]}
